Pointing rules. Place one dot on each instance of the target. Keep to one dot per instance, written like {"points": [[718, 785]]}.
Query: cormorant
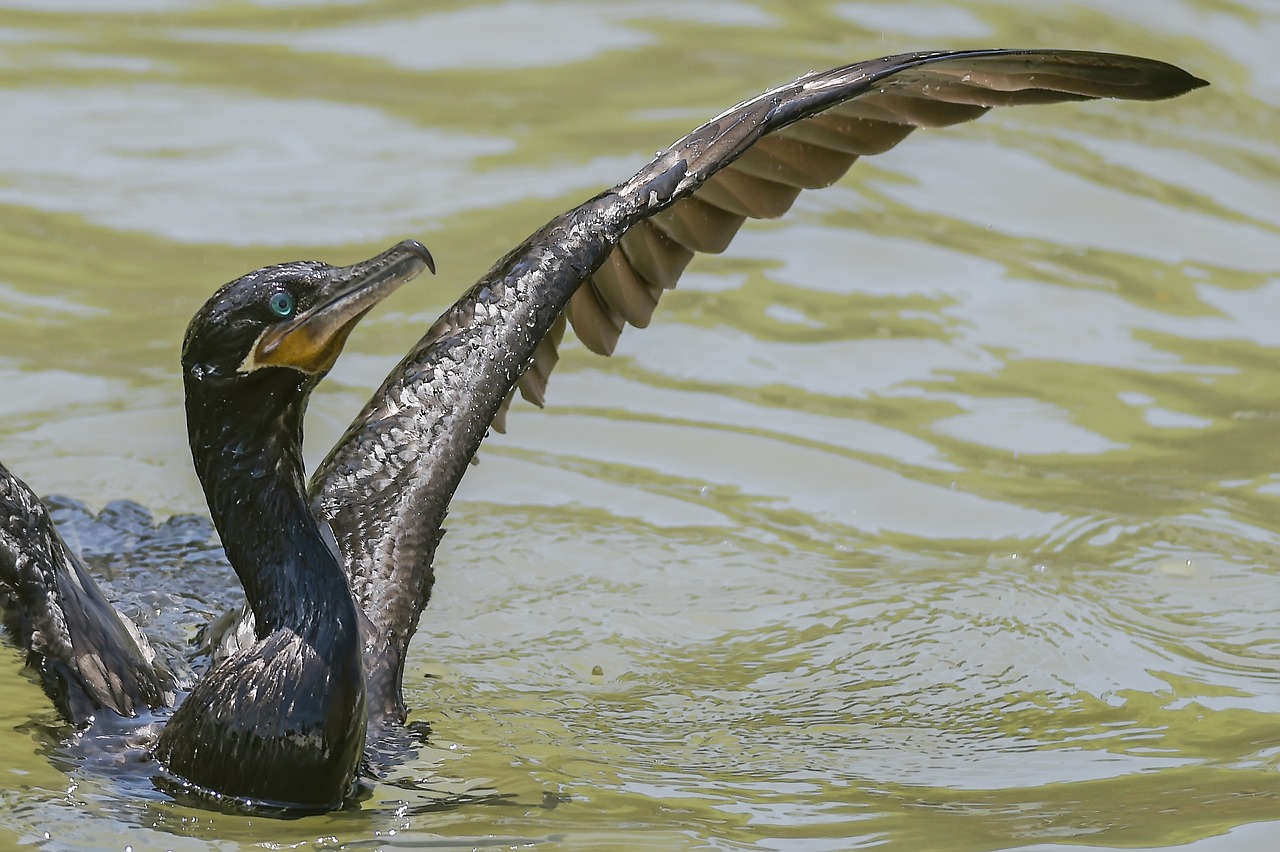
{"points": [[280, 722], [337, 580]]}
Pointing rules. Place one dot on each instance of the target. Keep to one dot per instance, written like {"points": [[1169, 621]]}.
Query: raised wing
{"points": [[386, 487], [878, 104]]}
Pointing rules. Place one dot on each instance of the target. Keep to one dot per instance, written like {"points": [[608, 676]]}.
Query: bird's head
{"points": [[290, 321]]}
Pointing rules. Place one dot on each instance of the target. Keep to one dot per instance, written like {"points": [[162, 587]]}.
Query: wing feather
{"points": [[604, 265]]}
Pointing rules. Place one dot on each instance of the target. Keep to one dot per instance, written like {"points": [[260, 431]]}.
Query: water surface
{"points": [[940, 515]]}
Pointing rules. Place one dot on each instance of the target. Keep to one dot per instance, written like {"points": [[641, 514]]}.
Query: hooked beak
{"points": [[313, 339]]}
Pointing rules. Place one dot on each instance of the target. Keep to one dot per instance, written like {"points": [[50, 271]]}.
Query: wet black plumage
{"points": [[384, 490]]}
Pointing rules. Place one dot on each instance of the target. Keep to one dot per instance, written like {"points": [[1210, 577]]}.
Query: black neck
{"points": [[250, 464]]}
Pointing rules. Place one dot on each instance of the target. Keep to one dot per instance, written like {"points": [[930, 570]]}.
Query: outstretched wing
{"points": [[386, 487], [89, 656], [753, 164]]}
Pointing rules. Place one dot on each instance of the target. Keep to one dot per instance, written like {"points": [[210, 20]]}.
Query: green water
{"points": [[940, 515]]}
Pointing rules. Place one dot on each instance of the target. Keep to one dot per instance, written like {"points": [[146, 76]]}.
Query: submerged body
{"points": [[284, 718]]}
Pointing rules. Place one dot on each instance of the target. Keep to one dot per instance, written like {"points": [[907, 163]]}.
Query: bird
{"points": [[280, 721], [337, 571]]}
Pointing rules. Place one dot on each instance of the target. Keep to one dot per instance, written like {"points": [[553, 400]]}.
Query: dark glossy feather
{"points": [[88, 655], [385, 488]]}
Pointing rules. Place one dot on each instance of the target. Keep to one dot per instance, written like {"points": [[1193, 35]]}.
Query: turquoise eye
{"points": [[282, 305]]}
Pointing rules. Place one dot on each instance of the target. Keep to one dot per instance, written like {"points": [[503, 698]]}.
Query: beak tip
{"points": [[416, 248]]}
